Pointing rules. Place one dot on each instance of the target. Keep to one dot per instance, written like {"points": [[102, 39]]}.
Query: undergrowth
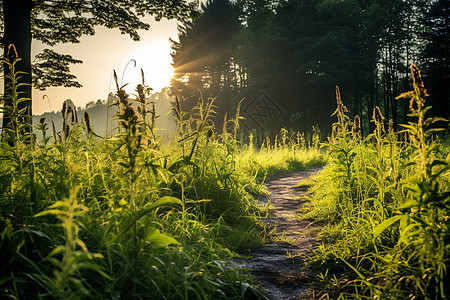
{"points": [[86, 217], [385, 200], [288, 152]]}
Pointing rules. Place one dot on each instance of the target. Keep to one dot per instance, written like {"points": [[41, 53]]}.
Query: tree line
{"points": [[286, 57]]}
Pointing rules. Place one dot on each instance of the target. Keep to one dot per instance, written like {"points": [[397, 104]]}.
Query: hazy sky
{"points": [[106, 51]]}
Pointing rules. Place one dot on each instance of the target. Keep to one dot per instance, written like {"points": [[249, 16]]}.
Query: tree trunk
{"points": [[17, 21]]}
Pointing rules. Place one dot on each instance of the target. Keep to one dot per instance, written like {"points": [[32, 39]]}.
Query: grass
{"points": [[83, 216], [385, 202]]}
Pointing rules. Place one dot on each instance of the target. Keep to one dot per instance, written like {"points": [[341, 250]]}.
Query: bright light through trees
{"points": [[154, 59]]}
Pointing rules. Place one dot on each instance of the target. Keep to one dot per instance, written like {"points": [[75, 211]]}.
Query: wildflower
{"points": [[418, 82], [123, 97], [129, 113], [340, 104]]}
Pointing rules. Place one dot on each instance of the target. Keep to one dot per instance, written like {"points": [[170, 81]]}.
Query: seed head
{"points": [[73, 114], [391, 126], [418, 82], [225, 123], [177, 108], [12, 53], [116, 80], [341, 109], [356, 124], [129, 113], [87, 122], [377, 116], [417, 97], [141, 93], [143, 77], [123, 97], [64, 109]]}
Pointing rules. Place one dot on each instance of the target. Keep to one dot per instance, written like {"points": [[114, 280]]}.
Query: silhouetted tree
{"points": [[62, 21], [298, 51], [436, 56], [203, 57]]}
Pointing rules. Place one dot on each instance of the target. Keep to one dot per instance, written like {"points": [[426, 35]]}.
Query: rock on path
{"points": [[280, 266]]}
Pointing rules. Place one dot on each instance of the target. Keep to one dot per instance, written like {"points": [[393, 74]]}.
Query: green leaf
{"points": [[363, 278], [94, 267], [57, 250], [164, 201], [380, 228], [49, 212], [156, 238], [36, 232], [438, 162], [409, 204]]}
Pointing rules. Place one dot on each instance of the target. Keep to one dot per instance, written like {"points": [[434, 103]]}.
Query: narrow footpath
{"points": [[279, 267]]}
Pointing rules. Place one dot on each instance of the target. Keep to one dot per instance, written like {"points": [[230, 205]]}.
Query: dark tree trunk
{"points": [[17, 21]]}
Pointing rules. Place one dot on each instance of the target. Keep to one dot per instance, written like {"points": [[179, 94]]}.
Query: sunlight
{"points": [[155, 60]]}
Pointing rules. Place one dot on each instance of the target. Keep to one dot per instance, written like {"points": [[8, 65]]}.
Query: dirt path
{"points": [[280, 266]]}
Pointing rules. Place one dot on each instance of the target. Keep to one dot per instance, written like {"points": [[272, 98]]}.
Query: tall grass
{"points": [[288, 152], [147, 221], [82, 216], [385, 199]]}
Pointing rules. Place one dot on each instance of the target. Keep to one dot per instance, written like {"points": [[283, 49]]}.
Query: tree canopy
{"points": [[203, 58], [295, 53], [65, 21]]}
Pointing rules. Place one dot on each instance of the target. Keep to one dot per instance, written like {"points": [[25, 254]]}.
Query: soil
{"points": [[280, 267]]}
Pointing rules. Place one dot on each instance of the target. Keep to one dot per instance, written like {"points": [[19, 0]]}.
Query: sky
{"points": [[106, 51]]}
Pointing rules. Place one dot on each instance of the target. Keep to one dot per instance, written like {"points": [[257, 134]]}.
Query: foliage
{"points": [[79, 206], [202, 58], [58, 22], [83, 216], [297, 51], [386, 199]]}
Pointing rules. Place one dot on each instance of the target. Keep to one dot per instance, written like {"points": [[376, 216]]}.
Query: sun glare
{"points": [[155, 60]]}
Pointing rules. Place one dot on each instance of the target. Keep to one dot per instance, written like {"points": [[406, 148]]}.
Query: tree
{"points": [[298, 51], [436, 56], [65, 21], [203, 57]]}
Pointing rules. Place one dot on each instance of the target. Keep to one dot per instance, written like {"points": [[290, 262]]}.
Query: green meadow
{"points": [[130, 217]]}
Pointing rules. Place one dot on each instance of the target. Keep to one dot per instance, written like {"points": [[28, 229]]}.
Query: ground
{"points": [[280, 266]]}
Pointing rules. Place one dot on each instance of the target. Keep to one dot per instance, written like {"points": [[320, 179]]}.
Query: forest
{"points": [[298, 51], [351, 96]]}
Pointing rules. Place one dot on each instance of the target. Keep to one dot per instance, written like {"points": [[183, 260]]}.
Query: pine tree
{"points": [[436, 56], [203, 58]]}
